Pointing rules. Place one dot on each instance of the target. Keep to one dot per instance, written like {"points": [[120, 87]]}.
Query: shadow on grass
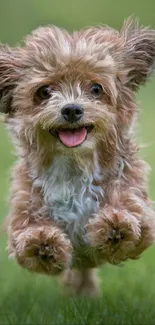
{"points": [[36, 304]]}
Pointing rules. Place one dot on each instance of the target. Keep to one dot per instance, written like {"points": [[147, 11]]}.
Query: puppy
{"points": [[79, 189]]}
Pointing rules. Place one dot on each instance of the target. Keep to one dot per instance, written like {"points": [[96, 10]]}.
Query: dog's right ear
{"points": [[10, 70]]}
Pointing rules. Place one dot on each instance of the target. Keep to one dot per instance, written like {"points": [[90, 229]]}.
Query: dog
{"points": [[79, 189]]}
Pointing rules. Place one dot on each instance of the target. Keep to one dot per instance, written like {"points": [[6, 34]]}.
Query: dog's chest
{"points": [[70, 194]]}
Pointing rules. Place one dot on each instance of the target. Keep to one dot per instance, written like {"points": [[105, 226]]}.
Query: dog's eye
{"points": [[96, 90], [44, 92]]}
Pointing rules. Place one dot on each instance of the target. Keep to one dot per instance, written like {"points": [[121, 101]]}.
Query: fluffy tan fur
{"points": [[122, 224]]}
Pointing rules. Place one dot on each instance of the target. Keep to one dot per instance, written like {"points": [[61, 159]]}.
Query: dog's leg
{"points": [[124, 228], [82, 282], [33, 240]]}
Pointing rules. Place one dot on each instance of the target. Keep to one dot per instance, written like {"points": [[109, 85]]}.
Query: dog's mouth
{"points": [[72, 137]]}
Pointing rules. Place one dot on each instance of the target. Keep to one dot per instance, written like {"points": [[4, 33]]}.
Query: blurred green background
{"points": [[128, 293]]}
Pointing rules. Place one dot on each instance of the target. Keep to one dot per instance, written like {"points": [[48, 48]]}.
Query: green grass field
{"points": [[128, 292]]}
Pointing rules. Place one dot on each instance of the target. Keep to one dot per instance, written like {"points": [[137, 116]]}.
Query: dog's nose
{"points": [[72, 112]]}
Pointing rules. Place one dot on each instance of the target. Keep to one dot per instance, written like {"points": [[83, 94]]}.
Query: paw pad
{"points": [[45, 252], [115, 236]]}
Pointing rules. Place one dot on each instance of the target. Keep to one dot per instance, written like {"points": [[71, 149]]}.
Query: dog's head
{"points": [[75, 91]]}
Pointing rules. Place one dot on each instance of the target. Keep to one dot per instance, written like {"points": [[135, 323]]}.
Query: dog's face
{"points": [[73, 92]]}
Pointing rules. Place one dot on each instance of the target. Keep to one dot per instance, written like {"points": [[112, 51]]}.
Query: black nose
{"points": [[72, 112]]}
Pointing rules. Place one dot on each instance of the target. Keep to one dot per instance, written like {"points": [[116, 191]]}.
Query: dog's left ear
{"points": [[139, 53]]}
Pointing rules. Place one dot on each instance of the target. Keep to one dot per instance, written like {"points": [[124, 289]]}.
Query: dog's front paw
{"points": [[115, 234], [42, 249]]}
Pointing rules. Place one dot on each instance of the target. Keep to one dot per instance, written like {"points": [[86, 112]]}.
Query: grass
{"points": [[128, 294]]}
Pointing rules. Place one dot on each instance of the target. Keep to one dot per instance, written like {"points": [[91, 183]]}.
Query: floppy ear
{"points": [[139, 52], [9, 75]]}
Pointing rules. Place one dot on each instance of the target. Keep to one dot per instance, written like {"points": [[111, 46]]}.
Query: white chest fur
{"points": [[70, 194]]}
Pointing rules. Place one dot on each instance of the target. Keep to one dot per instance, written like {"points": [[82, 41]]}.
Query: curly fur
{"points": [[76, 208]]}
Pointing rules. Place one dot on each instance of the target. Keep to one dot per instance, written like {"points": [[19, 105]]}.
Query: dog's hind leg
{"points": [[82, 282]]}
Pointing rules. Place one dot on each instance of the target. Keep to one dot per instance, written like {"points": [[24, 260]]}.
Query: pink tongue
{"points": [[73, 138]]}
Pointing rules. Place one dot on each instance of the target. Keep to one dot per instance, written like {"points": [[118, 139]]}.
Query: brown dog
{"points": [[79, 189]]}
